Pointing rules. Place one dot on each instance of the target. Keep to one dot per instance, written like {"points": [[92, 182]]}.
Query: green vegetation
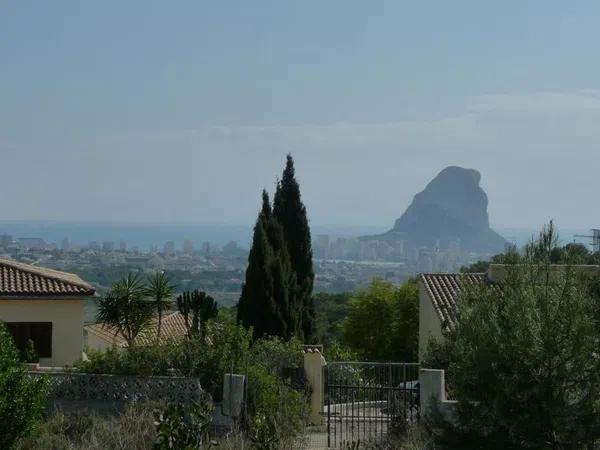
{"points": [[571, 253], [524, 358], [267, 303], [126, 308], [228, 347], [160, 292], [276, 297], [290, 212], [22, 399], [202, 308], [383, 322], [331, 311], [183, 427]]}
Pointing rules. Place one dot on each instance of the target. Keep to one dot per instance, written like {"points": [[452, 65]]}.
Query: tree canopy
{"points": [[383, 322], [276, 297], [290, 212]]}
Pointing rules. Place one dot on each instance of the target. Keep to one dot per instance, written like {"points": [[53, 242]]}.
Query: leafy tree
{"points": [[524, 358], [267, 300], [331, 311], [382, 322], [201, 307], [160, 291], [22, 398], [125, 308], [290, 212]]}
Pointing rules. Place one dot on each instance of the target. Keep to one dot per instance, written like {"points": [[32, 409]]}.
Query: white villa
{"points": [[46, 307]]}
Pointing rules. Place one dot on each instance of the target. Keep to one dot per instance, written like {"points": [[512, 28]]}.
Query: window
{"points": [[39, 332]]}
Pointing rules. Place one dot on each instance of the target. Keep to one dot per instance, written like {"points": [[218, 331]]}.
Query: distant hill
{"points": [[451, 207]]}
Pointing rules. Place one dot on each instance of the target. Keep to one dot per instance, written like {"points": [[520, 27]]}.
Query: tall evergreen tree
{"points": [[270, 287], [290, 212]]}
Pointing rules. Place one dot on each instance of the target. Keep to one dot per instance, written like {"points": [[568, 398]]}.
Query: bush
{"points": [[277, 413], [225, 350], [183, 427], [275, 410], [524, 359], [22, 398]]}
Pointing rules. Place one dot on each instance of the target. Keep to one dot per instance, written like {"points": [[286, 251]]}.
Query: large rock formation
{"points": [[452, 207]]}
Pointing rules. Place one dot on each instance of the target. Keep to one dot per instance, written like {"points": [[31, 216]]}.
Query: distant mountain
{"points": [[451, 207]]}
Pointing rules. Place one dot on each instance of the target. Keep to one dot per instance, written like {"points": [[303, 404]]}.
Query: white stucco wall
{"points": [[66, 316], [429, 322], [95, 342]]}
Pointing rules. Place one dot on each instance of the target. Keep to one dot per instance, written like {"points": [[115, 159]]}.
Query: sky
{"points": [[153, 111]]}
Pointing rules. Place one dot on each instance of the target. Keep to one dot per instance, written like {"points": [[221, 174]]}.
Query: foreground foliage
{"points": [[22, 399], [275, 412], [524, 359]]}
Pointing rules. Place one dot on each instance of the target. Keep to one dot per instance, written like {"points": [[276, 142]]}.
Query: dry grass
{"points": [[132, 430]]}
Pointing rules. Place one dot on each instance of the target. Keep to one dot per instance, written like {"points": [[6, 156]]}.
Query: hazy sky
{"points": [[183, 111]]}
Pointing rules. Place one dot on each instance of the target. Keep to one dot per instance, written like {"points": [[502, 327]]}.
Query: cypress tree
{"points": [[290, 212], [270, 284]]}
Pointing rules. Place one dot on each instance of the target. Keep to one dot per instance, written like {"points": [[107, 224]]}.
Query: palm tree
{"points": [[125, 308], [160, 292]]}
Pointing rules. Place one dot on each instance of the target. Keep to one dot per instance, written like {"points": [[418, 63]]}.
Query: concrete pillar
{"points": [[313, 368], [233, 394], [432, 394]]}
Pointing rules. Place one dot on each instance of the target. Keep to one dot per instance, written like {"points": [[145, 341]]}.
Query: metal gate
{"points": [[364, 400]]}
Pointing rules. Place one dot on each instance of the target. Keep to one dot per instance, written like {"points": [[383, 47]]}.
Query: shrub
{"points": [[524, 359], [225, 350], [22, 398], [183, 427], [277, 413]]}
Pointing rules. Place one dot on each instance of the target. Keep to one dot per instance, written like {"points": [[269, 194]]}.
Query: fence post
{"points": [[432, 386], [313, 368]]}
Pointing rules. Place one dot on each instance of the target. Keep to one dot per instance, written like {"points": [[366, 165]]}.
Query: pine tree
{"points": [[290, 212], [270, 281]]}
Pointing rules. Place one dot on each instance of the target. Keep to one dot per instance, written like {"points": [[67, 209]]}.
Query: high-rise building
{"points": [[108, 246], [169, 248], [32, 243], [123, 246], [206, 248], [93, 245], [65, 246], [188, 246], [322, 246]]}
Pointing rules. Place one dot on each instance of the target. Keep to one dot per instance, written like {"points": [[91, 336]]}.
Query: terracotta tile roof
{"points": [[173, 326], [444, 289], [24, 280]]}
